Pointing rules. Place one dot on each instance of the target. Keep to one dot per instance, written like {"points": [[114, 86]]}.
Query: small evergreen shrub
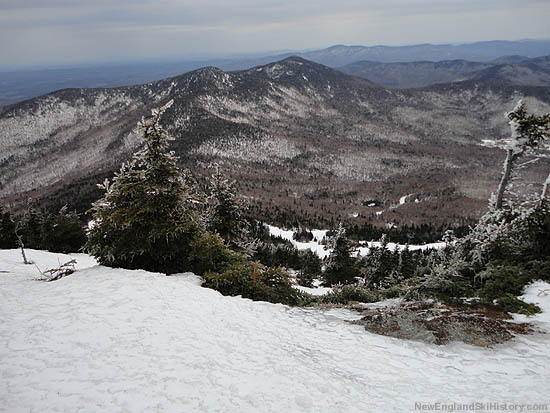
{"points": [[508, 278], [380, 263], [29, 227], [512, 304], [445, 282], [8, 239], [393, 291], [341, 267], [209, 253], [254, 281], [224, 215], [62, 232], [303, 235], [310, 270], [349, 293], [56, 232], [278, 252]]}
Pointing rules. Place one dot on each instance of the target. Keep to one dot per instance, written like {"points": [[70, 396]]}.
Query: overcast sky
{"points": [[57, 32]]}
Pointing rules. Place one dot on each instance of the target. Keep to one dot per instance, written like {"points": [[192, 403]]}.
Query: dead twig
{"points": [[62, 271]]}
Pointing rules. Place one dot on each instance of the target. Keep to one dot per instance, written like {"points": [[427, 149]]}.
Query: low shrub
{"points": [[62, 232], [345, 294], [209, 253], [512, 304], [254, 281], [310, 270], [445, 282], [394, 291], [7, 230], [504, 278]]}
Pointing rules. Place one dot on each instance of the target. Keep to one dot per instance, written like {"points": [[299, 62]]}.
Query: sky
{"points": [[60, 32]]}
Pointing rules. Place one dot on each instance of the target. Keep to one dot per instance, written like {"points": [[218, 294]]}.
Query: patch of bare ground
{"points": [[441, 324]]}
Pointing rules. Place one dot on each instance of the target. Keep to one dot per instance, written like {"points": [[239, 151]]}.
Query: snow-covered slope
{"points": [[111, 340]]}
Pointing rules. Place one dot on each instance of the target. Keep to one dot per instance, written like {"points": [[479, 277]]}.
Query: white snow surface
{"points": [[322, 251], [112, 340], [392, 246], [314, 245], [403, 199], [314, 291]]}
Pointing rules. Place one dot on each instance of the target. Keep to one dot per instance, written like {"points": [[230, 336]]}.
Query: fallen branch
{"points": [[62, 271]]}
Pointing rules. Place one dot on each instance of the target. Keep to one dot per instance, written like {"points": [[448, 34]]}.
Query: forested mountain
{"points": [[300, 138], [341, 55], [514, 69], [414, 74], [20, 85]]}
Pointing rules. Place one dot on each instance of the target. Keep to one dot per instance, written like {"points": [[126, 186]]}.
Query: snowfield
{"points": [[112, 340]]}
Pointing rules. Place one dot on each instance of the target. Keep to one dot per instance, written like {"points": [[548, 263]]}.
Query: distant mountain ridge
{"points": [[341, 55], [514, 69], [298, 137], [21, 85]]}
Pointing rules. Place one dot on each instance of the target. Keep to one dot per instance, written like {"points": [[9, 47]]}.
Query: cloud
{"points": [[34, 31]]}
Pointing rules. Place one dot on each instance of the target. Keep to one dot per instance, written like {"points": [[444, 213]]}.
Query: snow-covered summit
{"points": [[115, 340]]}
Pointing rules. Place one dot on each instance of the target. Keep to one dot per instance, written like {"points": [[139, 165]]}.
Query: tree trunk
{"points": [[21, 245], [510, 157]]}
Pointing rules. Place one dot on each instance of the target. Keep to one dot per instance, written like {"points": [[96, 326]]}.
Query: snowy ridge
{"points": [[115, 340]]}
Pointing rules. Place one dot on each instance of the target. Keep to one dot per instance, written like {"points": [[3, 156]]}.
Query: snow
{"points": [[322, 251], [403, 199], [115, 340], [314, 291], [392, 246], [319, 234], [537, 293], [314, 245], [489, 143]]}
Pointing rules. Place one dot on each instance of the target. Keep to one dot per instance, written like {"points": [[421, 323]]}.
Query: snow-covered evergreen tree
{"points": [[310, 269], [29, 226], [225, 212], [379, 263], [147, 218], [342, 267], [528, 132]]}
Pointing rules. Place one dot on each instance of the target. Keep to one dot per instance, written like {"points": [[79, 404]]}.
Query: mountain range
{"points": [[19, 85], [514, 69], [300, 139], [341, 55]]}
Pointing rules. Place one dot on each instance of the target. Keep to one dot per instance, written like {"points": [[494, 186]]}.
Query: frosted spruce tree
{"points": [[225, 212], [147, 218], [341, 267]]}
